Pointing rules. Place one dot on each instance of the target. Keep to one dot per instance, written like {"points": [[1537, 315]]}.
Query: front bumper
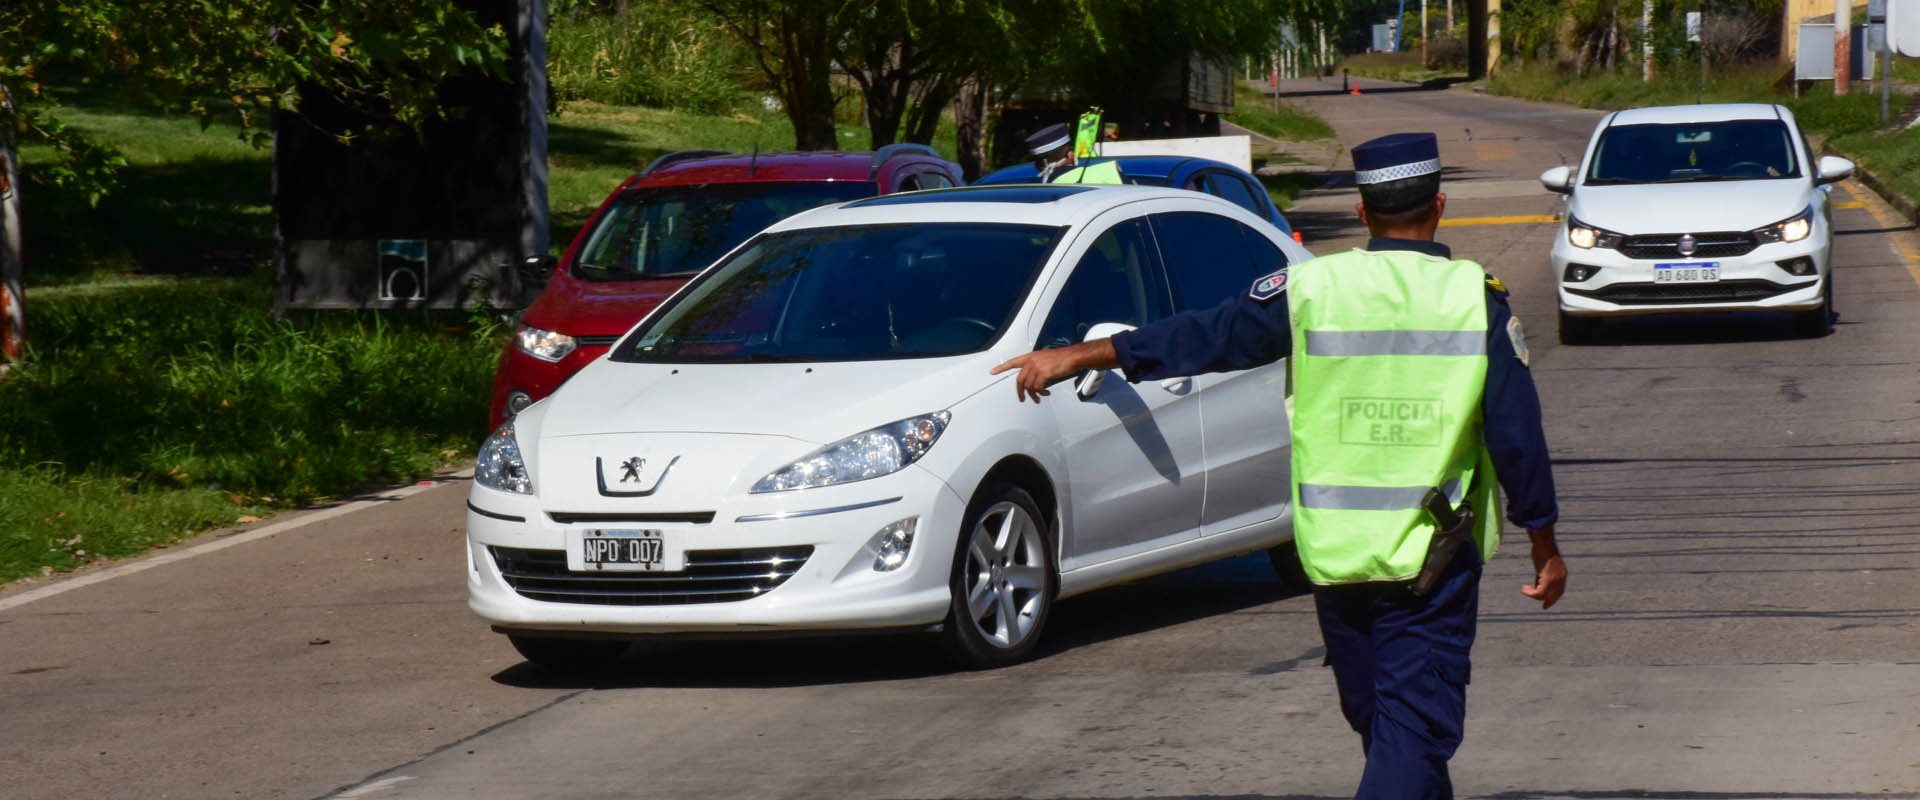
{"points": [[1757, 280], [835, 589]]}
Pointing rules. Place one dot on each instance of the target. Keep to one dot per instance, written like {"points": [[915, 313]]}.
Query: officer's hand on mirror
{"points": [[1042, 368], [1549, 570]]}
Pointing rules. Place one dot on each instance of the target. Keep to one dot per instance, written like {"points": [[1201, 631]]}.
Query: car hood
{"points": [[578, 307], [1690, 207], [812, 403]]}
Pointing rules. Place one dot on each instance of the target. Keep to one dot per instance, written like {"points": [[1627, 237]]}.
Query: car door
{"points": [[1133, 452], [1209, 258]]}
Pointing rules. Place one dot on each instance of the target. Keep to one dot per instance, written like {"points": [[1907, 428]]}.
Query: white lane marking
{"points": [[254, 535], [370, 789]]}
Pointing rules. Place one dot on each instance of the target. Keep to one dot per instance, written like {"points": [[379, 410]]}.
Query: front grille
{"points": [[597, 341], [1723, 244], [711, 576], [1676, 293]]}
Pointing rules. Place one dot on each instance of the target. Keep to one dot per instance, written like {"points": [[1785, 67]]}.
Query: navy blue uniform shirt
{"points": [[1243, 333]]}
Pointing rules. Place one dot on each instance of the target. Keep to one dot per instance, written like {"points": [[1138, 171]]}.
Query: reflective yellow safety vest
{"points": [[1103, 172], [1389, 367]]}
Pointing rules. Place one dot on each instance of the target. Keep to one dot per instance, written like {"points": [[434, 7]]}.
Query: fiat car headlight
{"points": [[499, 465], [543, 344], [868, 454], [1587, 237], [1791, 229]]}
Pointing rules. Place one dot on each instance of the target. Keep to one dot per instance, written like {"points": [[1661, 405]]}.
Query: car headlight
{"points": [[1587, 237], [1791, 229], [868, 454], [543, 344], [499, 465]]}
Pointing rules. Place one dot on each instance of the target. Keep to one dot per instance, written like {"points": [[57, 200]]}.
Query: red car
{"points": [[664, 225]]}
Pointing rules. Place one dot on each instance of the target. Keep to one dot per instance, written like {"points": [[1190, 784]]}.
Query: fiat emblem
{"points": [[1686, 244]]}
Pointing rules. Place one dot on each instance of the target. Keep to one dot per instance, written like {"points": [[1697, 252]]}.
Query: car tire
{"points": [[569, 655], [1287, 567], [1002, 583], [1578, 330], [1818, 322]]}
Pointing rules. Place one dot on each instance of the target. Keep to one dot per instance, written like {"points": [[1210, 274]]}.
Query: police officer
{"points": [[1052, 149], [1410, 373]]}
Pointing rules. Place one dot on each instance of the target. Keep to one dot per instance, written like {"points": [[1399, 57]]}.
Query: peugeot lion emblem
{"points": [[1686, 244], [630, 469]]}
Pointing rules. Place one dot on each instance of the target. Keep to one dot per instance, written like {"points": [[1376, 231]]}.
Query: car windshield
{"points": [[648, 233], [851, 294], [1734, 150]]}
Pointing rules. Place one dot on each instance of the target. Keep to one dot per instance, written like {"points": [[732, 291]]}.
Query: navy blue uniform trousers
{"points": [[1401, 665]]}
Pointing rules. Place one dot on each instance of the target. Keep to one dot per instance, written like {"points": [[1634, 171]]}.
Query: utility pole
{"points": [[1646, 40], [1449, 17], [1842, 55], [1423, 32], [1703, 47]]}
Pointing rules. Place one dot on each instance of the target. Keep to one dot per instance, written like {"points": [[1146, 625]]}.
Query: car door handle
{"points": [[1177, 385]]}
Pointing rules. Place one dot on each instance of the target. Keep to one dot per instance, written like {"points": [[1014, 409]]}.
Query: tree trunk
{"points": [[970, 119], [923, 118], [806, 85]]}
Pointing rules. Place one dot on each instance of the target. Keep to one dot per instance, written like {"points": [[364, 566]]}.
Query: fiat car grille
{"points": [[1636, 294], [711, 576], [1705, 245]]}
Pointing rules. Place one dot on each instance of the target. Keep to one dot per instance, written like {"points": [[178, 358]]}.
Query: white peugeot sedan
{"points": [[806, 438], [1696, 208]]}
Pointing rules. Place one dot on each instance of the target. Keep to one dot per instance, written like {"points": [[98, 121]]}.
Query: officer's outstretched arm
{"points": [[1042, 368]]}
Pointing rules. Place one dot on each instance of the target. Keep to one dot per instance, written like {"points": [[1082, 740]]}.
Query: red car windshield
{"points": [[671, 230]]}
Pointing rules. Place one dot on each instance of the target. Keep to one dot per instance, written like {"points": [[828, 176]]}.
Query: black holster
{"points": [[1454, 530]]}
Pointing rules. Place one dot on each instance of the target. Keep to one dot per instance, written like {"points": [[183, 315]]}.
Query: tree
{"points": [[248, 58], [795, 43]]}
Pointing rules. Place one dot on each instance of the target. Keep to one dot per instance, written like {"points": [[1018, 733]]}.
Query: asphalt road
{"points": [[1739, 517]]}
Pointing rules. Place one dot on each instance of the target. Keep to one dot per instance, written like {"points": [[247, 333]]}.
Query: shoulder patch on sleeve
{"points": [[1269, 286], [1518, 335], [1495, 284]]}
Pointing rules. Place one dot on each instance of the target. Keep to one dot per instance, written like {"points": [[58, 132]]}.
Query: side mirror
{"points": [[1088, 384], [1558, 180], [1834, 169], [535, 270]]}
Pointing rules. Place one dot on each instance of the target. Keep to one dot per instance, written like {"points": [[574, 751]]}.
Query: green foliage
{"points": [[1254, 111], [1893, 156], [58, 523], [664, 54], [193, 384], [244, 57]]}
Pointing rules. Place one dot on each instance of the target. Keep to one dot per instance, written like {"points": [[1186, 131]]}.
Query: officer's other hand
{"points": [[1549, 570]]}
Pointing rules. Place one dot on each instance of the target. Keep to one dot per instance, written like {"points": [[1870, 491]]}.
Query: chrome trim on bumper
{"points": [[814, 512]]}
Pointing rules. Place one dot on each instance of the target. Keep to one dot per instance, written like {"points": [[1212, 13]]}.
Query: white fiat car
{"points": [[1696, 208], [806, 438]]}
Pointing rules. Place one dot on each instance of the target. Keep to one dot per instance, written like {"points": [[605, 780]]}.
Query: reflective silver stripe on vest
{"points": [[1396, 343], [1371, 498]]}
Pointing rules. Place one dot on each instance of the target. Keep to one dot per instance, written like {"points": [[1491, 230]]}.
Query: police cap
{"points": [[1397, 172], [1049, 139]]}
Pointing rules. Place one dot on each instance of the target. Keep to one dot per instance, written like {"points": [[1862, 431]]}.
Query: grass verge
{"points": [[1395, 67], [1286, 186], [153, 408], [1256, 111]]}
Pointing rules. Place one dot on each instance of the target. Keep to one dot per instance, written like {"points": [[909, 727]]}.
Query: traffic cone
{"points": [[1298, 239], [1356, 90]]}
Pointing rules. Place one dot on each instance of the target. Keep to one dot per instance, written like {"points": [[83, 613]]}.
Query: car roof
{"points": [[819, 165], [1052, 205], [1717, 112], [1146, 166]]}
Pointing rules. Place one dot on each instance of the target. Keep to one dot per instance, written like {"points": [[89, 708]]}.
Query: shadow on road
{"points": [[1698, 329], [1199, 592]]}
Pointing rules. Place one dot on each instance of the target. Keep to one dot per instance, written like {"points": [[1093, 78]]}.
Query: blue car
{"points": [[1216, 178]]}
